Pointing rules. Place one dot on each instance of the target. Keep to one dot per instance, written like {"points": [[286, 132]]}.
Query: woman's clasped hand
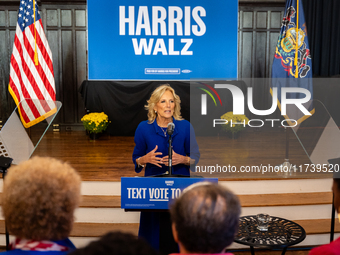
{"points": [[155, 158]]}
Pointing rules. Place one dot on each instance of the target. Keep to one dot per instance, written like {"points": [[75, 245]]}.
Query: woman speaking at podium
{"points": [[151, 153]]}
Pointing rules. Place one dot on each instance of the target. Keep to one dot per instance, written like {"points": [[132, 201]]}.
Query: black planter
{"points": [[94, 136], [232, 135]]}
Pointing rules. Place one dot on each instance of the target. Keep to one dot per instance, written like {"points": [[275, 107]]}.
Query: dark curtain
{"points": [[323, 24], [124, 102]]}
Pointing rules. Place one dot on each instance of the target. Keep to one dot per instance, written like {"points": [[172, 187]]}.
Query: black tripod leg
{"points": [[332, 221], [4, 171], [7, 238]]}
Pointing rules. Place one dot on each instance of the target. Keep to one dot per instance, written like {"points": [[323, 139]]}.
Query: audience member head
{"points": [[205, 218], [39, 199], [117, 243]]}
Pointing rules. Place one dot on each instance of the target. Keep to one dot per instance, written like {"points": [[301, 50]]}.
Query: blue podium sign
{"points": [[154, 192], [162, 40]]}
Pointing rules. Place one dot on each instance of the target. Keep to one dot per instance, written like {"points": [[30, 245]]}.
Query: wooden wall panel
{"points": [[67, 23], [13, 18], [66, 18], [81, 56], [81, 39], [53, 36], [7, 32], [3, 63], [258, 34], [2, 18], [261, 19], [80, 18], [275, 19], [246, 57], [68, 81]]}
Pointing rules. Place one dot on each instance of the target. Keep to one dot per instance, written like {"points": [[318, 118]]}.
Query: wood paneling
{"points": [[258, 34]]}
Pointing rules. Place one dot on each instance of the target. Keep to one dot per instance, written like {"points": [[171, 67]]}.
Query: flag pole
{"points": [[36, 62], [297, 41], [287, 165]]}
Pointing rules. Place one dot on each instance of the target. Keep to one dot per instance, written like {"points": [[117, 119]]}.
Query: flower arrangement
{"points": [[231, 118], [95, 122]]}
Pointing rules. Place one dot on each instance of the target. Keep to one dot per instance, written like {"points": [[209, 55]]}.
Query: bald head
{"points": [[206, 218]]}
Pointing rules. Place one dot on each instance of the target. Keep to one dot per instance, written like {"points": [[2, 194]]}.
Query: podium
{"points": [[154, 193], [152, 197]]}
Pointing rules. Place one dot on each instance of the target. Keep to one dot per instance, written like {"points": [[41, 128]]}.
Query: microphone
{"points": [[171, 128]]}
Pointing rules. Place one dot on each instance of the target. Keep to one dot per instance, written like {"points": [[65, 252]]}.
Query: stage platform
{"points": [[302, 197], [254, 155]]}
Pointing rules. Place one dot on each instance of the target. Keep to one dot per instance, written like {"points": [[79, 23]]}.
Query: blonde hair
{"points": [[39, 199], [156, 97]]}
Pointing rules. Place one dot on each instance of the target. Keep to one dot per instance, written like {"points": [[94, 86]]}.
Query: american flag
{"points": [[31, 82]]}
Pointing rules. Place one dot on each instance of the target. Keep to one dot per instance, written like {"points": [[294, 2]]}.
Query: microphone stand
{"points": [[287, 169], [169, 173], [170, 155]]}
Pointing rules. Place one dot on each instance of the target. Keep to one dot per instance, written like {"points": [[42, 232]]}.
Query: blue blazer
{"points": [[147, 136]]}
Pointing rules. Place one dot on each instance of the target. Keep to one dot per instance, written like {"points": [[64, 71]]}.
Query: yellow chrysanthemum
{"points": [[95, 122], [240, 122]]}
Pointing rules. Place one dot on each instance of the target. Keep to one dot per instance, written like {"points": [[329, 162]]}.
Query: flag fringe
{"points": [[35, 121]]}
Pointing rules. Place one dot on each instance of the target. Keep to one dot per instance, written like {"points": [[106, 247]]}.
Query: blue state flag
{"points": [[292, 64]]}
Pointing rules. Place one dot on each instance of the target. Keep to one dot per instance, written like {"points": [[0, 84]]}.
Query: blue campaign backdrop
{"points": [[162, 40]]}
